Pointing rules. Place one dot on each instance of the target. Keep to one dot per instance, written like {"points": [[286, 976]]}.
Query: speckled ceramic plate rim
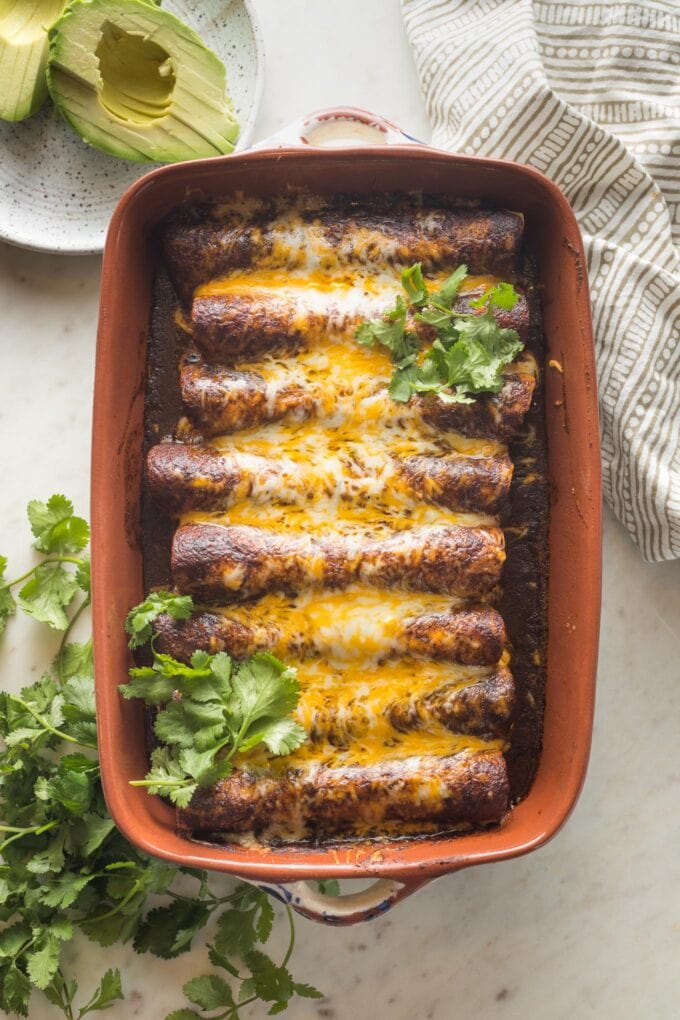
{"points": [[18, 240]]}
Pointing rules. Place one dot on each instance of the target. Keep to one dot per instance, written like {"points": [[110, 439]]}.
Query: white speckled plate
{"points": [[57, 194]]}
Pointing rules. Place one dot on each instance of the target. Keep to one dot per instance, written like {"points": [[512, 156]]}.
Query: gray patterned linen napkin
{"points": [[588, 92]]}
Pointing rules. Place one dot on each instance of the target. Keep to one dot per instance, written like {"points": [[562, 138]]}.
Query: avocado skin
{"points": [[197, 121]]}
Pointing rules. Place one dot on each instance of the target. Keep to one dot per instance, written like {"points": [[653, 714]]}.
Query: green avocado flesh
{"points": [[135, 81], [23, 55]]}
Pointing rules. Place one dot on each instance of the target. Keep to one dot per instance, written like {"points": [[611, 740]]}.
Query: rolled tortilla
{"points": [[221, 400], [206, 242], [251, 321], [220, 563], [313, 801], [473, 636], [183, 478]]}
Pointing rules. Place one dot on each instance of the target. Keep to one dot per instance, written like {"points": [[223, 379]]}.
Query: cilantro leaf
{"points": [[76, 661], [7, 601], [448, 291], [329, 886], [270, 983], [64, 890], [189, 723], [47, 595], [401, 383], [83, 574], [55, 527], [90, 831], [264, 687], [167, 777], [108, 991], [391, 332], [280, 736], [168, 931], [236, 934], [12, 939], [141, 617], [503, 295], [70, 789], [16, 991], [149, 684], [413, 283], [202, 767], [209, 992], [43, 960], [307, 991]]}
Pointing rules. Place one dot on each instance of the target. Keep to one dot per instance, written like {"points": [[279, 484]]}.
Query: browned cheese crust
{"points": [[468, 789], [471, 636], [214, 562]]}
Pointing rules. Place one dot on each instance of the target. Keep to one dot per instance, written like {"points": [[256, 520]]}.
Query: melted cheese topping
{"points": [[374, 748], [369, 442], [302, 283], [335, 516], [357, 623], [337, 474]]}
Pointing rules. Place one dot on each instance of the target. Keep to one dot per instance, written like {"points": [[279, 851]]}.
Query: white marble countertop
{"points": [[588, 927]]}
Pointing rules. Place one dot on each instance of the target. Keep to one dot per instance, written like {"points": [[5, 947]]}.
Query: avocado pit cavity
{"points": [[136, 76]]}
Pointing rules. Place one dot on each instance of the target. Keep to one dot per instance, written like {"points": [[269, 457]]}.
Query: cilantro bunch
{"points": [[64, 867], [469, 352], [210, 710]]}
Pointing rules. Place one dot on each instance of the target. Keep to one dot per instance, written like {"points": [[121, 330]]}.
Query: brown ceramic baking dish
{"points": [[553, 237]]}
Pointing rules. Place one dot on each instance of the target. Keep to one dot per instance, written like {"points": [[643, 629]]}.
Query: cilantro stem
{"points": [[22, 829], [20, 833], [136, 886], [291, 944], [64, 637], [157, 782], [50, 729], [64, 1003], [48, 559]]}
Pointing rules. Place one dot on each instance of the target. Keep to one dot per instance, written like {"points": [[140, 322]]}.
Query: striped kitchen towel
{"points": [[588, 92]]}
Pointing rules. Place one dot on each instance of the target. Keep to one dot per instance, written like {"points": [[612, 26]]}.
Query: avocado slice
{"points": [[23, 55], [138, 83]]}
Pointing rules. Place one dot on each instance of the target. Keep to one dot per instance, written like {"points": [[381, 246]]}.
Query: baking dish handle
{"points": [[311, 903], [339, 126]]}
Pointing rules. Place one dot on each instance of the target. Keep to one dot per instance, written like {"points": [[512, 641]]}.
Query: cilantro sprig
{"points": [[469, 352], [65, 868], [49, 587], [223, 708]]}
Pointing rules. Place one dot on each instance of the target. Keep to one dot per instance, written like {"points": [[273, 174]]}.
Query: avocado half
{"points": [[23, 55], [138, 83]]}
